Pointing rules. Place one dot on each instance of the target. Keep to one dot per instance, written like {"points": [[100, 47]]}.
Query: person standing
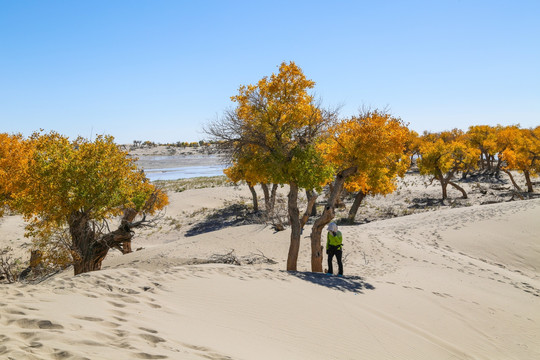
{"points": [[334, 246]]}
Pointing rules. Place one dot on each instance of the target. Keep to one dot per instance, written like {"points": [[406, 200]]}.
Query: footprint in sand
{"points": [[208, 353], [13, 312], [88, 318], [123, 298], [120, 333], [110, 324], [148, 330], [28, 308], [152, 338], [115, 304], [119, 313], [119, 319], [90, 343], [149, 356], [26, 335], [37, 324], [35, 344], [62, 354]]}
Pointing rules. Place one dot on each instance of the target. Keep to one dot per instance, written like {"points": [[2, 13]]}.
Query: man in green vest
{"points": [[334, 246]]}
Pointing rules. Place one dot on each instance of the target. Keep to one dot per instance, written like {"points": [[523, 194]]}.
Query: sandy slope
{"points": [[459, 283]]}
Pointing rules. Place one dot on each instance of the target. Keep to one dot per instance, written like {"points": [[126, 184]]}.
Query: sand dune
{"points": [[458, 283]]}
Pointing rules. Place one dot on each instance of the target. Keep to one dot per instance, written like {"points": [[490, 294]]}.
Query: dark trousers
{"points": [[331, 252]]}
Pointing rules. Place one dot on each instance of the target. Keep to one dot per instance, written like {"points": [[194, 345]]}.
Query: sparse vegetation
{"points": [[232, 259], [10, 267], [193, 183]]}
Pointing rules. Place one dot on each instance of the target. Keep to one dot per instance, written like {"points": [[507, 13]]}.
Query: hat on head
{"points": [[332, 227]]}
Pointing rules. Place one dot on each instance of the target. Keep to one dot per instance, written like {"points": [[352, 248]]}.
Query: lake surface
{"points": [[181, 166], [184, 172]]}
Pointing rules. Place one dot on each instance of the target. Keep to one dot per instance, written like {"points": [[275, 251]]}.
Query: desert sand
{"points": [[457, 282]]}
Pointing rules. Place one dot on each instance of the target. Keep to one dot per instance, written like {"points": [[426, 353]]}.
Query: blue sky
{"points": [[159, 70]]}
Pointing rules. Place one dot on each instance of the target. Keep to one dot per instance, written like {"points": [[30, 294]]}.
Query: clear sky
{"points": [[159, 70]]}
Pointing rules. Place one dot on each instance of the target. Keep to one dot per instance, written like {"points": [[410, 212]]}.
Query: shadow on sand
{"points": [[348, 283], [233, 215]]}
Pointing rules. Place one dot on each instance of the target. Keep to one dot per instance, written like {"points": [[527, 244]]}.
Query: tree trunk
{"points": [[129, 216], [339, 202], [444, 180], [254, 196], [269, 199], [294, 219], [89, 263], [444, 184], [36, 257], [492, 162], [309, 195], [356, 205], [273, 194], [266, 194], [512, 180], [489, 164], [498, 167], [528, 181], [325, 218], [482, 163], [83, 238], [90, 248], [459, 188], [312, 198]]}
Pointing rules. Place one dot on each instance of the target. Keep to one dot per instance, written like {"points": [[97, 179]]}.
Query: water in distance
{"points": [[184, 172]]}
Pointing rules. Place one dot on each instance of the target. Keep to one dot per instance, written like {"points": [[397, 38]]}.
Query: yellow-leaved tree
{"points": [[14, 157], [482, 137], [280, 120], [71, 189], [367, 152], [523, 153], [444, 154], [412, 146], [247, 164]]}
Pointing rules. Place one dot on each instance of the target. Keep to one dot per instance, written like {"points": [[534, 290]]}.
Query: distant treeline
{"points": [[182, 144]]}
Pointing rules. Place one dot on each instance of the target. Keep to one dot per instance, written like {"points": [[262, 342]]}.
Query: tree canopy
{"points": [[366, 152], [272, 135], [444, 154], [523, 153], [70, 189], [14, 157]]}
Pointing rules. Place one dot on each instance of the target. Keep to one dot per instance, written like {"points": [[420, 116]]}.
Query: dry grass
{"points": [[193, 183]]}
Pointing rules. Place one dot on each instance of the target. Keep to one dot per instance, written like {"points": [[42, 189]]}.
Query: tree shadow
{"points": [[348, 283], [233, 215], [425, 203], [486, 177]]}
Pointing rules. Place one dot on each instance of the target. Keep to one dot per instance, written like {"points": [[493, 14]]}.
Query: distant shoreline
{"points": [[169, 163]]}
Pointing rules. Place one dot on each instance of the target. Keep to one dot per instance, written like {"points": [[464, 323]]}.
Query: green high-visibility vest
{"points": [[336, 240]]}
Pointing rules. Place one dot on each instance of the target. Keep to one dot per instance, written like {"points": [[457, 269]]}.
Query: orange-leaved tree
{"points": [[14, 157], [241, 170], [71, 190], [412, 146], [523, 154], [281, 121], [379, 179], [444, 154], [247, 164], [368, 149], [482, 137]]}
